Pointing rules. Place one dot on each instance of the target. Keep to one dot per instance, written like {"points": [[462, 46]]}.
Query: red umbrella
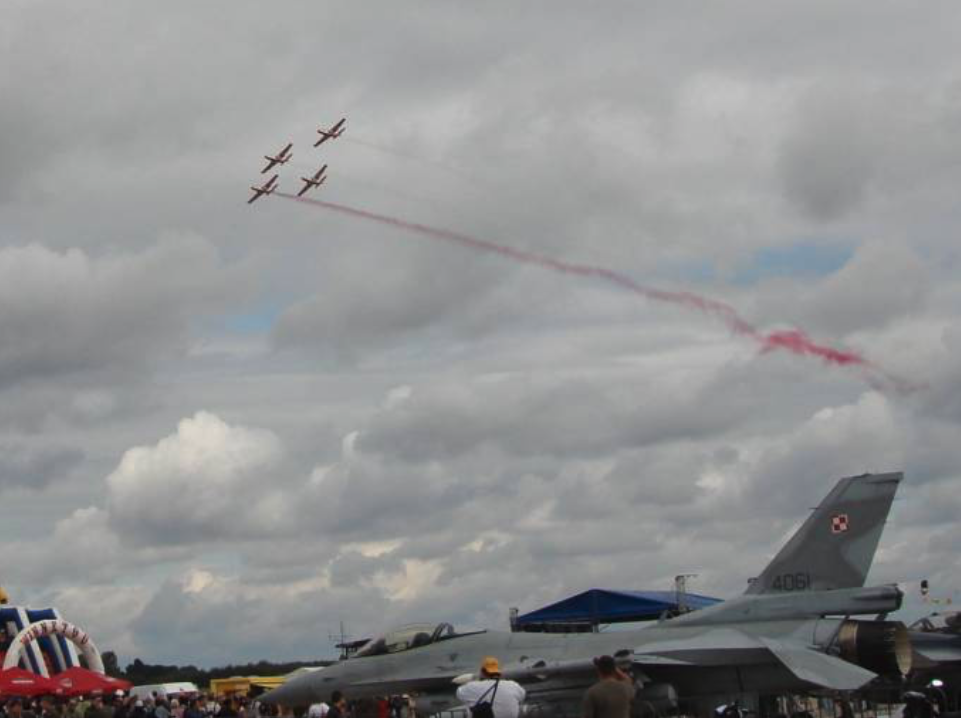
{"points": [[17, 681], [76, 681]]}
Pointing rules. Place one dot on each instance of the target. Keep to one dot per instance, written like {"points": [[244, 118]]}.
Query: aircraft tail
{"points": [[834, 548]]}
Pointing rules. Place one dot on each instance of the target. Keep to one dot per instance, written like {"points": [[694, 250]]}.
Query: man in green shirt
{"points": [[611, 696]]}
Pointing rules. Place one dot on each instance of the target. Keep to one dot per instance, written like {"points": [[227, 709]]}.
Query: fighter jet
{"points": [[778, 637], [280, 158], [267, 187], [315, 181], [332, 133]]}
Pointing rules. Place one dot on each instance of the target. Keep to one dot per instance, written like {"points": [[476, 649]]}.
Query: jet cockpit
{"points": [[407, 637]]}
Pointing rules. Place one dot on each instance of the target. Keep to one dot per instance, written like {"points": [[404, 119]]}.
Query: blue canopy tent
{"points": [[596, 606]]}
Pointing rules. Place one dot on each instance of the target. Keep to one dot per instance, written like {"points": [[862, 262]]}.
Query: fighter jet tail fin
{"points": [[834, 548]]}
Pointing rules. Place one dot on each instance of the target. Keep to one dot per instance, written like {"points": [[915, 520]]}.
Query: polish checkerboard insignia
{"points": [[839, 523]]}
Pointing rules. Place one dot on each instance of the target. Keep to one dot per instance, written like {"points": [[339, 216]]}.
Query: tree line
{"points": [[140, 673]]}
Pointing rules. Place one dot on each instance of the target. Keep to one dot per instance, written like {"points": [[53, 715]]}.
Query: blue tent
{"points": [[597, 606]]}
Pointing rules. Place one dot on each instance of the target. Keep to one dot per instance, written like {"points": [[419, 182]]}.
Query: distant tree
{"points": [[110, 665], [140, 673]]}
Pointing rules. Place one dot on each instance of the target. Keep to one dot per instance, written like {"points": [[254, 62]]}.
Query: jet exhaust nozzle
{"points": [[879, 646]]}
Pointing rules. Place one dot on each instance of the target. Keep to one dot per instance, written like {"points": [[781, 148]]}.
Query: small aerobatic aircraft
{"points": [[331, 134], [267, 187], [279, 159], [315, 181]]}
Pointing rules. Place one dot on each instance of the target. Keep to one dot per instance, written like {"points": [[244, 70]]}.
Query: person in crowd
{"points": [[228, 709], [338, 706], [318, 710], [503, 696], [193, 709], [15, 709], [71, 709], [209, 705], [49, 708], [397, 704], [97, 709], [160, 709], [729, 710], [613, 693]]}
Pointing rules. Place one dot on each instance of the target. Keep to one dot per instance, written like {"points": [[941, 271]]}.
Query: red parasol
{"points": [[17, 681], [77, 681]]}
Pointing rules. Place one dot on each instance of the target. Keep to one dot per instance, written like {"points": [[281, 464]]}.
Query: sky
{"points": [[225, 429]]}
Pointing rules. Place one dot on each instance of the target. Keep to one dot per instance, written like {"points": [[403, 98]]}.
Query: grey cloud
{"points": [[827, 161], [216, 625], [377, 298], [32, 467], [882, 283], [62, 316], [553, 415]]}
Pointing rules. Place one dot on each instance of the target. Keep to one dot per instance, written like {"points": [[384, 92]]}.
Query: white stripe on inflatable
{"points": [[25, 639], [70, 659]]}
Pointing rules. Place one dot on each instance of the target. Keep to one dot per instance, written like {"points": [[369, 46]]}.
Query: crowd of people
{"points": [[121, 705], [489, 696], [492, 696]]}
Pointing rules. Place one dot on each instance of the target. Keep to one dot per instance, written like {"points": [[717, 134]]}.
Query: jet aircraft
{"points": [[267, 187], [779, 636], [331, 134], [280, 158], [315, 181]]}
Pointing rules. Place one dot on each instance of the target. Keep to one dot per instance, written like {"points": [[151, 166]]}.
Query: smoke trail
{"points": [[794, 340]]}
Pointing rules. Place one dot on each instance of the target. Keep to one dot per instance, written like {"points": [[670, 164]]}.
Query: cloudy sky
{"points": [[224, 429]]}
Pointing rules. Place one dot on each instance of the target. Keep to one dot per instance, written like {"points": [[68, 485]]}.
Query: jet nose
{"points": [[293, 693]]}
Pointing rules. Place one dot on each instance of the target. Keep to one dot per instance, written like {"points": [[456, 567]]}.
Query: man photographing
{"points": [[491, 695]]}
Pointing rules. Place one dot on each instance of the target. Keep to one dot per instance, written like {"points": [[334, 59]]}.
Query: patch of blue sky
{"points": [[257, 319], [803, 259]]}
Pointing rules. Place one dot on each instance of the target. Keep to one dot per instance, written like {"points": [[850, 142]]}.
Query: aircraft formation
{"points": [[283, 157]]}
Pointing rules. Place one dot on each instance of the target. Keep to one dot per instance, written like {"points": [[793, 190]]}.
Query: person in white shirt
{"points": [[318, 710], [504, 696]]}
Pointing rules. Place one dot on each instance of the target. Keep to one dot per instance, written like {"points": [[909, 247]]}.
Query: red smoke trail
{"points": [[794, 341]]}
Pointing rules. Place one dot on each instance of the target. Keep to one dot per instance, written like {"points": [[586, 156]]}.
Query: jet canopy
{"points": [[405, 638]]}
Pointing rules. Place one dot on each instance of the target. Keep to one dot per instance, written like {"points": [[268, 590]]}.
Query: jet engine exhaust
{"points": [[879, 646], [794, 341]]}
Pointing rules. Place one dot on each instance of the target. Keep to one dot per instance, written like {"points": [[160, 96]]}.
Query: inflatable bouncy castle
{"points": [[40, 641]]}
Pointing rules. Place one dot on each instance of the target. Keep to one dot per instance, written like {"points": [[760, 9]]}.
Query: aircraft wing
{"points": [[721, 647], [730, 646], [819, 668]]}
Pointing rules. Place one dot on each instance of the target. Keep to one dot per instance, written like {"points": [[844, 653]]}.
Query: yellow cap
{"points": [[491, 666]]}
